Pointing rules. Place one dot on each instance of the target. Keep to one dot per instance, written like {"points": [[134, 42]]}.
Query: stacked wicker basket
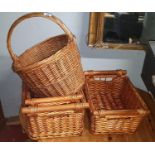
{"points": [[54, 88]]}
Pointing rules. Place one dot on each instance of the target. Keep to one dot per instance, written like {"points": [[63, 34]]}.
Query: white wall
{"points": [[35, 30]]}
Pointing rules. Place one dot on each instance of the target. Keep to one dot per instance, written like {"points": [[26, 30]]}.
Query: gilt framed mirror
{"points": [[120, 30]]}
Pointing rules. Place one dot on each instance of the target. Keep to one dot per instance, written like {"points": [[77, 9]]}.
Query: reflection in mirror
{"points": [[123, 27]]}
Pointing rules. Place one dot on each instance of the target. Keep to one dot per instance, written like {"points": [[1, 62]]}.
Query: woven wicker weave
{"points": [[52, 67], [115, 105], [43, 118]]}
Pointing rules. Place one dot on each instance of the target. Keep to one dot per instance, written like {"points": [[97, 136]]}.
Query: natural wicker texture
{"points": [[43, 118], [52, 67], [115, 105]]}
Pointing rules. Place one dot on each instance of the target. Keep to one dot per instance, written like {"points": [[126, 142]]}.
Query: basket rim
{"points": [[45, 61], [73, 98], [132, 112]]}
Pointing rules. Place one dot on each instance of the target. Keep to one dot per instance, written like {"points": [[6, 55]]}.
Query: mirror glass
{"points": [[123, 27], [129, 27]]}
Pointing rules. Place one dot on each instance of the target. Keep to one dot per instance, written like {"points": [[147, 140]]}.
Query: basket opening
{"points": [[113, 94], [43, 50]]}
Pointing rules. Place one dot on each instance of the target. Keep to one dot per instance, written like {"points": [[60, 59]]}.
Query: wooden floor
{"points": [[145, 133]]}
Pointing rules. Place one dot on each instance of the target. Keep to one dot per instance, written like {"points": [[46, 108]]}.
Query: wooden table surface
{"points": [[145, 132]]}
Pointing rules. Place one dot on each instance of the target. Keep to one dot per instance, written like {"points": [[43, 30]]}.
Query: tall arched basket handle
{"points": [[31, 15]]}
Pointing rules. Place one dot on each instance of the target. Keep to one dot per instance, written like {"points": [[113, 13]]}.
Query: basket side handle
{"points": [[73, 106], [119, 72], [31, 15], [35, 101]]}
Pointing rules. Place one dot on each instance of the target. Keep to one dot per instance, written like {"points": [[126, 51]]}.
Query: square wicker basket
{"points": [[115, 105], [43, 118]]}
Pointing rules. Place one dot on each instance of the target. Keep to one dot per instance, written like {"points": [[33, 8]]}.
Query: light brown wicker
{"points": [[52, 67], [43, 118], [115, 105]]}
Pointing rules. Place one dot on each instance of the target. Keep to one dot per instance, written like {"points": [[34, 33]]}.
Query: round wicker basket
{"points": [[52, 67]]}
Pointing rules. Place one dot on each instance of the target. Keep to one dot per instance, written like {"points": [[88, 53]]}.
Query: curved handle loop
{"points": [[30, 15]]}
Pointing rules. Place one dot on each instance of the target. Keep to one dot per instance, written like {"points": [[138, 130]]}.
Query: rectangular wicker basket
{"points": [[51, 117], [115, 105]]}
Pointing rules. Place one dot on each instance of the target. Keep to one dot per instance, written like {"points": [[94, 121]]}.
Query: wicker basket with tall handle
{"points": [[52, 67]]}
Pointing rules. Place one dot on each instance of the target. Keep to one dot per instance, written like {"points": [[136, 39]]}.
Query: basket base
{"points": [[55, 136]]}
